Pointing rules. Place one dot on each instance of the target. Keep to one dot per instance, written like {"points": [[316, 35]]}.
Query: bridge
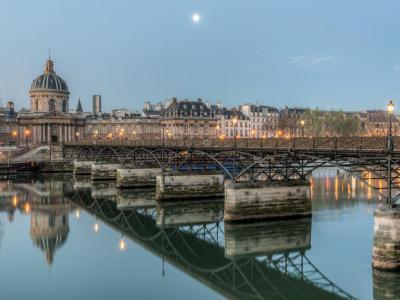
{"points": [[255, 159], [208, 252]]}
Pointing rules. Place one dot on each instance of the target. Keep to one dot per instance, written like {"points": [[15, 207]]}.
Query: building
{"points": [[97, 105], [376, 123], [233, 122], [135, 128], [186, 119], [49, 119], [264, 119], [8, 124]]}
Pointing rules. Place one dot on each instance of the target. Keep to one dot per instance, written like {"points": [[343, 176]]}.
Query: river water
{"points": [[64, 238]]}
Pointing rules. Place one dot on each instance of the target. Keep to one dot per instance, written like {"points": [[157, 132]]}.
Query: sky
{"points": [[341, 54]]}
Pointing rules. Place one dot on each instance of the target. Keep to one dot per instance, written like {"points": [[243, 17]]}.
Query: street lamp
{"points": [[389, 148], [27, 134], [302, 123], [235, 120]]}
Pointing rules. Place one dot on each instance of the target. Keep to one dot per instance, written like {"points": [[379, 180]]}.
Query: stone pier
{"points": [[180, 213], [267, 200], [104, 171], [267, 237], [196, 185], [83, 167], [386, 246], [132, 178]]}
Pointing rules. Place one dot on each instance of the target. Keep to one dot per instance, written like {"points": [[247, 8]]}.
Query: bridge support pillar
{"points": [[181, 186], [104, 171], [131, 178], [265, 200], [83, 167], [386, 246]]}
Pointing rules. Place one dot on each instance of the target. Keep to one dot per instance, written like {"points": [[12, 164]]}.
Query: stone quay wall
{"points": [[129, 178]]}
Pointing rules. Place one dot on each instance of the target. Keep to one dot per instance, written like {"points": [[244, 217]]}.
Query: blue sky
{"points": [[331, 54]]}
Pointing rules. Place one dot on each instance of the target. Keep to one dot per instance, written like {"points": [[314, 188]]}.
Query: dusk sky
{"points": [[331, 53]]}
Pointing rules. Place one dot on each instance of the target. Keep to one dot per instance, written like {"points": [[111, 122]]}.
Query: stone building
{"points": [[8, 124], [264, 119], [233, 122], [185, 119], [130, 128], [49, 120], [376, 123]]}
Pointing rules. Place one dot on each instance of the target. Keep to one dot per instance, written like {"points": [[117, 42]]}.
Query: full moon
{"points": [[196, 18]]}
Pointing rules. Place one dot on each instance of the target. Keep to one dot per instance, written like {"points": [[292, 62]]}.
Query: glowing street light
{"points": [[389, 148]]}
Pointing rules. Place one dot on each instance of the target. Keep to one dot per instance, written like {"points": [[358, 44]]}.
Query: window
{"points": [[36, 105], [52, 105], [64, 106]]}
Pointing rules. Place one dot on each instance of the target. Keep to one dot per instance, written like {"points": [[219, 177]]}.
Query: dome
{"points": [[49, 81]]}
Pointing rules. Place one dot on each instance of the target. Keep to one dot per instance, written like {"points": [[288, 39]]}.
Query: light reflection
{"points": [[122, 244], [27, 208], [96, 227], [336, 188], [15, 201], [77, 214]]}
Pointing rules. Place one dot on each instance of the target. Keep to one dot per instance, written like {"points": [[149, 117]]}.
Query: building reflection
{"points": [[346, 189], [44, 201]]}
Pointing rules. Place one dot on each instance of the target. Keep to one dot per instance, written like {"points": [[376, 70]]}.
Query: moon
{"points": [[196, 18]]}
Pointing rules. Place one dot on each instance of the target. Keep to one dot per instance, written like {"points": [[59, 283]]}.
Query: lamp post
{"points": [[234, 121], [389, 148], [27, 134], [302, 123]]}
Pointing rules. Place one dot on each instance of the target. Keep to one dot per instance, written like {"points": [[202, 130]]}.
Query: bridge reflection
{"points": [[251, 261], [243, 261]]}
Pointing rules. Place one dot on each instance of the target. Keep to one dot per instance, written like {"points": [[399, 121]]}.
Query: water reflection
{"points": [[44, 200], [260, 260]]}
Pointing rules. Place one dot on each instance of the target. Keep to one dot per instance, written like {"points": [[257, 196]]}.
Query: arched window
{"points": [[64, 106], [52, 105]]}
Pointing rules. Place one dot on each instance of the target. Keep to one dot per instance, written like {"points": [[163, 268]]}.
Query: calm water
{"points": [[62, 238]]}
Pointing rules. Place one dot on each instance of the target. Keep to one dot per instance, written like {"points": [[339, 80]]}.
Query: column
{"points": [[48, 133]]}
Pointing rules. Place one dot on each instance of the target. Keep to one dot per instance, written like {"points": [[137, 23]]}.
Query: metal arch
{"points": [[110, 149], [177, 155], [135, 150]]}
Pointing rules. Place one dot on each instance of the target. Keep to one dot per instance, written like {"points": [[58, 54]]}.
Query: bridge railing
{"points": [[348, 143]]}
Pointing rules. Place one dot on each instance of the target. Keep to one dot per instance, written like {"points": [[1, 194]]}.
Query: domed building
{"points": [[49, 119]]}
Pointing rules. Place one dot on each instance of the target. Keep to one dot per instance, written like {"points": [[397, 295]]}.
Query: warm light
{"points": [[134, 133], [14, 133], [217, 127], [122, 129], [222, 137], [121, 133], [15, 201], [169, 134], [253, 132], [27, 208], [77, 133], [235, 120], [27, 132], [96, 227], [302, 122], [77, 214], [96, 132], [196, 18], [122, 244], [238, 136], [110, 135], [390, 107]]}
